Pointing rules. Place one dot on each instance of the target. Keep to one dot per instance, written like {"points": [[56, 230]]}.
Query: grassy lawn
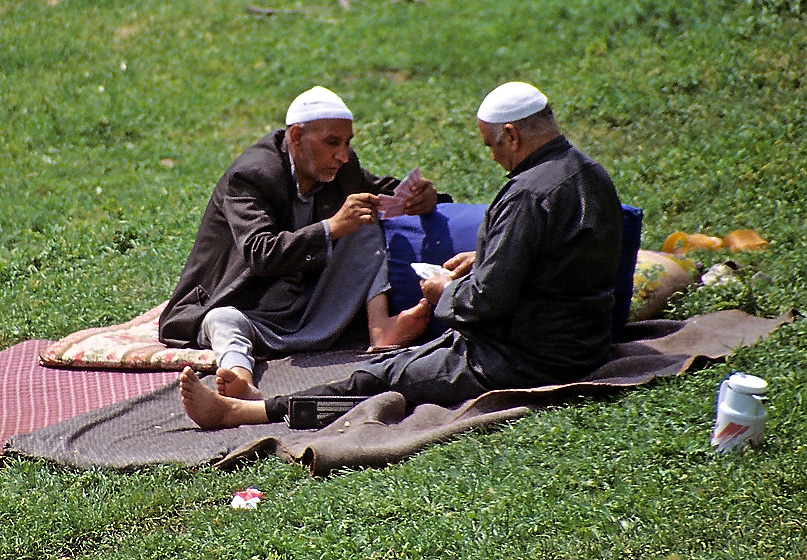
{"points": [[118, 118]]}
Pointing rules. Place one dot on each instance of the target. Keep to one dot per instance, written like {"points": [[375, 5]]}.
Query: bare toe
{"points": [[230, 384]]}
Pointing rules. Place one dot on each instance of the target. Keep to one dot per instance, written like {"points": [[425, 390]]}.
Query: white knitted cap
{"points": [[317, 103], [511, 102]]}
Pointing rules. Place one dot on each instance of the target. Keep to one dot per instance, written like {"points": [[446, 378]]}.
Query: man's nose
{"points": [[342, 154]]}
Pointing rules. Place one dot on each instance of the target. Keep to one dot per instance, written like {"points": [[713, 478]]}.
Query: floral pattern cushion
{"points": [[657, 277], [133, 345]]}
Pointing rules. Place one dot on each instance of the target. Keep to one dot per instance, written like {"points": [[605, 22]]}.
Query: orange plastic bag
{"points": [[744, 240], [680, 243]]}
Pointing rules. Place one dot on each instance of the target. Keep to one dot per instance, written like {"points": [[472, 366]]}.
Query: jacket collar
{"points": [[542, 154]]}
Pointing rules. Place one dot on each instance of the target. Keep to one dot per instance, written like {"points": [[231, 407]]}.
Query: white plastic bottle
{"points": [[740, 418]]}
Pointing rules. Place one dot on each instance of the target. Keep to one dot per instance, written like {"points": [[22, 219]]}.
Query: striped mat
{"points": [[33, 396]]}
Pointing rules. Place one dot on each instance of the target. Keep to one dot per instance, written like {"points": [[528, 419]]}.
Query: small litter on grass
{"points": [[722, 273], [246, 499]]}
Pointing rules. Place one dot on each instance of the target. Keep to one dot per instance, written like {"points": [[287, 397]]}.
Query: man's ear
{"points": [[511, 134], [293, 133]]}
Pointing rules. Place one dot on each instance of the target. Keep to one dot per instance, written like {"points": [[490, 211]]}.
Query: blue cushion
{"points": [[452, 228], [432, 238], [623, 291]]}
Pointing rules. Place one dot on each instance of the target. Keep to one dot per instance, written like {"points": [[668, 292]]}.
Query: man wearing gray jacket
{"points": [[289, 250]]}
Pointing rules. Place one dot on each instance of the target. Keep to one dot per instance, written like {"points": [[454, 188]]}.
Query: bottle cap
{"points": [[748, 384]]}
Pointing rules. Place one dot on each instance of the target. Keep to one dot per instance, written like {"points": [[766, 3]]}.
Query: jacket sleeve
{"points": [[255, 208], [493, 288]]}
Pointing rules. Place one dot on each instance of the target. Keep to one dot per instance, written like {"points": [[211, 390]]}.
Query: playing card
{"points": [[404, 189], [427, 270], [390, 206]]}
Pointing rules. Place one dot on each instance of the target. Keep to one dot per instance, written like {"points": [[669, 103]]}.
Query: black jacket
{"points": [[541, 292]]}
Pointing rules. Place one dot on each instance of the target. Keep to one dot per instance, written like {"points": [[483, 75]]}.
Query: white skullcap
{"points": [[511, 102], [317, 103]]}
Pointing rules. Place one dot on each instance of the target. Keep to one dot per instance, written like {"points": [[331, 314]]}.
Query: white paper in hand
{"points": [[427, 270]]}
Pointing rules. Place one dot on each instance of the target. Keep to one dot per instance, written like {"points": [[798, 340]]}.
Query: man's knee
{"points": [[225, 316], [227, 330], [226, 322]]}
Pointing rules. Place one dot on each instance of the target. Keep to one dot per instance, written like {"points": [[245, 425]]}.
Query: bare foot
{"points": [[210, 410], [237, 383], [403, 328]]}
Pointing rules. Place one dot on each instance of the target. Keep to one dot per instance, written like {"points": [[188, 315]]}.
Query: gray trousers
{"points": [[446, 371], [350, 280], [230, 335]]}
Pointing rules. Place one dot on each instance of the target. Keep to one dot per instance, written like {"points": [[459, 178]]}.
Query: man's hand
{"points": [[433, 287], [423, 199], [460, 264], [359, 209]]}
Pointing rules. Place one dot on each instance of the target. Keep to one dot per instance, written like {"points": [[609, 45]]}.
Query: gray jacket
{"points": [[246, 242]]}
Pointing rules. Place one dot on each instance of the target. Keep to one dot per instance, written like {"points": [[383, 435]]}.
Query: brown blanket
{"points": [[153, 428]]}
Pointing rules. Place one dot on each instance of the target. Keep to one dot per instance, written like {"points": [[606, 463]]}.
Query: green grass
{"points": [[117, 119]]}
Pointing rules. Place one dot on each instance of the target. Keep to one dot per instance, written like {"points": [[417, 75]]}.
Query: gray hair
{"points": [[532, 126]]}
